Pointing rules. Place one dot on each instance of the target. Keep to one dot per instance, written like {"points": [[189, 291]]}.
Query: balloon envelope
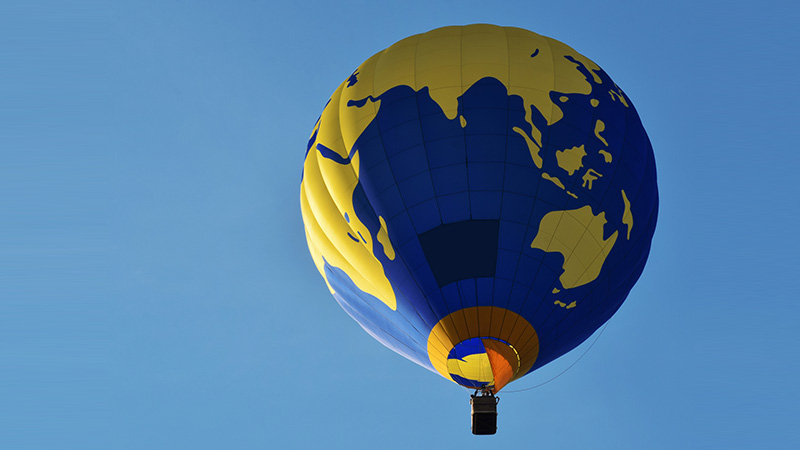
{"points": [[480, 199]]}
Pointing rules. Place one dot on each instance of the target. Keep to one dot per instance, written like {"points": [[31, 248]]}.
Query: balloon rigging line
{"points": [[565, 370]]}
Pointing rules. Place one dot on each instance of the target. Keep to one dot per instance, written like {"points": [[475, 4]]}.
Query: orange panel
{"points": [[504, 362]]}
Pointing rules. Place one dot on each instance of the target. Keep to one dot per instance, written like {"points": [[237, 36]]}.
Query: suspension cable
{"points": [[565, 370]]}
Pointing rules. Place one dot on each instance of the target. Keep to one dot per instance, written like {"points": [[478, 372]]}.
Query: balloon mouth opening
{"points": [[483, 362]]}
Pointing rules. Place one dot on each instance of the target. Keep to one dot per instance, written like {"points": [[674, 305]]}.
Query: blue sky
{"points": [[155, 287]]}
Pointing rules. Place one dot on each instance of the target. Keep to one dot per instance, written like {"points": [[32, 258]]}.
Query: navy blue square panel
{"points": [[469, 296], [416, 189], [425, 216], [519, 292], [485, 287], [485, 204], [450, 179], [461, 250], [527, 269], [438, 126], [512, 236], [516, 207], [631, 157], [409, 162], [370, 148], [376, 179], [507, 262], [486, 176], [427, 283], [452, 297], [486, 148], [401, 137], [502, 291], [454, 207], [486, 121], [412, 254], [389, 203], [522, 179], [446, 152], [517, 150], [550, 196], [400, 229]]}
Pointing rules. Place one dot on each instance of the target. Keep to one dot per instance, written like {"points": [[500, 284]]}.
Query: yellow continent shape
{"points": [[627, 216], [571, 159], [578, 235]]}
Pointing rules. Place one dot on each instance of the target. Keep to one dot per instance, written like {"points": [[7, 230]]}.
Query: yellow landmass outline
{"points": [[533, 147], [564, 305], [627, 215], [571, 159], [578, 235], [555, 180], [383, 238], [599, 126], [589, 177]]}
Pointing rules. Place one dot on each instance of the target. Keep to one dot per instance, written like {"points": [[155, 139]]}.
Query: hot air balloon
{"points": [[480, 199]]}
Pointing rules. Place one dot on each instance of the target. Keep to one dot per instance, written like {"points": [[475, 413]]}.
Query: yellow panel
{"points": [[436, 50], [451, 325], [396, 66], [473, 324], [514, 331], [474, 367], [496, 322]]}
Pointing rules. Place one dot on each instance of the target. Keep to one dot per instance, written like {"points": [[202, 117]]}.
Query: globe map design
{"points": [[479, 199]]}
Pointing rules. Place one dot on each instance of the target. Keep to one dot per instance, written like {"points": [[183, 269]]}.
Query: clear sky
{"points": [[155, 287]]}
